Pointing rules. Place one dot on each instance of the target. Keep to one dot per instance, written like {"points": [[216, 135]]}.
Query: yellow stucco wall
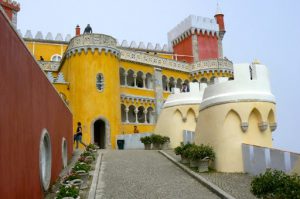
{"points": [[173, 120], [46, 50], [143, 128], [220, 127], [88, 103]]}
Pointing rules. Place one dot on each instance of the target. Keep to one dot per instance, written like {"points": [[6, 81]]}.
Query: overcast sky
{"points": [[268, 30]]}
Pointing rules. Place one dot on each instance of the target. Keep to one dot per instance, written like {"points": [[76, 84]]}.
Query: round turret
{"points": [[91, 67]]}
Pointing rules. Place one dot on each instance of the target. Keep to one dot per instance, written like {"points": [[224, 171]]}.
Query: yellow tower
{"points": [[91, 66]]}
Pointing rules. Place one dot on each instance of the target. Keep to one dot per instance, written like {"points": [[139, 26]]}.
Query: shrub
{"points": [[81, 166], [70, 177], [276, 184], [87, 153], [157, 139], [67, 191], [146, 140], [166, 139], [182, 149], [91, 147], [201, 152]]}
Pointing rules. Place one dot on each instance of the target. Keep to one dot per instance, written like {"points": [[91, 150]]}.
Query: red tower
{"points": [[198, 38], [11, 9]]}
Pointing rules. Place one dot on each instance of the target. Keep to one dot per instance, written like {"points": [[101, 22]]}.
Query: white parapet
{"points": [[194, 96], [251, 83]]}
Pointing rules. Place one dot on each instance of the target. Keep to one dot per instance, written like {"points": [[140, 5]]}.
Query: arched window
{"points": [[139, 79], [123, 113], [130, 78], [56, 57], [122, 76], [141, 114], [131, 114], [164, 83], [179, 83], [100, 81], [149, 81], [172, 83], [150, 116]]}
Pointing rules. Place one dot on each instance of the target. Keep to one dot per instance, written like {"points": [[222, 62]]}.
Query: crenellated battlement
{"points": [[49, 36], [193, 24], [143, 47], [11, 4], [93, 42]]}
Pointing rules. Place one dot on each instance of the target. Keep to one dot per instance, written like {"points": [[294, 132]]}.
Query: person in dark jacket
{"points": [[78, 135], [88, 29]]}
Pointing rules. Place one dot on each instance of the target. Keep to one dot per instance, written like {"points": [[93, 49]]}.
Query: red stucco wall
{"points": [[208, 46], [184, 48], [28, 103]]}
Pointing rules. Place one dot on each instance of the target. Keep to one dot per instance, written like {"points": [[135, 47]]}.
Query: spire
{"points": [[218, 12]]}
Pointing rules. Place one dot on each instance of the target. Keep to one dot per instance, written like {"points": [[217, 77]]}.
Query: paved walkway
{"points": [[145, 174], [236, 184]]}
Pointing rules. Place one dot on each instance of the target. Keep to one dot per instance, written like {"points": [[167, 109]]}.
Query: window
{"points": [[56, 57], [45, 159], [64, 152], [100, 81]]}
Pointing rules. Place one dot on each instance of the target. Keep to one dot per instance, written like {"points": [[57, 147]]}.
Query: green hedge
{"points": [[276, 185]]}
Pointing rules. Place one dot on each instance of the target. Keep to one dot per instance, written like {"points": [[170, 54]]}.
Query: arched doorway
{"points": [[100, 133]]}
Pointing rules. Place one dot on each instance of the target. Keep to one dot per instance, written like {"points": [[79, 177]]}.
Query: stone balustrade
{"points": [[49, 65]]}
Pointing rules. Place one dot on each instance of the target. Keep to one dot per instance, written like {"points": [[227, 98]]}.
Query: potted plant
{"points": [[202, 155], [191, 153], [66, 180], [157, 141], [182, 151], [147, 142], [92, 148], [166, 142], [68, 191], [81, 166]]}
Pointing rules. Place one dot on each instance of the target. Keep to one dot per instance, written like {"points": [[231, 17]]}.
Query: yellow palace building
{"points": [[111, 87]]}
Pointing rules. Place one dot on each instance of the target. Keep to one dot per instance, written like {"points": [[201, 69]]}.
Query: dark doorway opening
{"points": [[99, 133]]}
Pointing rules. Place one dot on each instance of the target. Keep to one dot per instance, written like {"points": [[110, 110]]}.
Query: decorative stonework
{"points": [[92, 42], [263, 126], [244, 126], [153, 60], [223, 65], [134, 98], [49, 65], [273, 126]]}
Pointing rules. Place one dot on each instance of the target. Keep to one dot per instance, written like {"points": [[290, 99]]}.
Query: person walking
{"points": [[78, 136]]}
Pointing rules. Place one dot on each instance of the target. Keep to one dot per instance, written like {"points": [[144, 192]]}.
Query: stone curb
{"points": [[92, 192], [211, 186]]}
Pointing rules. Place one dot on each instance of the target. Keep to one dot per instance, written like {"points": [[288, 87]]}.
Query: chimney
{"points": [[77, 30], [219, 16], [11, 9]]}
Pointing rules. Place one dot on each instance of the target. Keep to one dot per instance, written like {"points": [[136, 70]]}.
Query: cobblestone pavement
{"points": [[236, 184], [145, 174]]}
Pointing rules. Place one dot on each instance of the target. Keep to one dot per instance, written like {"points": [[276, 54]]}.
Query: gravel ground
{"points": [[236, 184], [145, 174]]}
